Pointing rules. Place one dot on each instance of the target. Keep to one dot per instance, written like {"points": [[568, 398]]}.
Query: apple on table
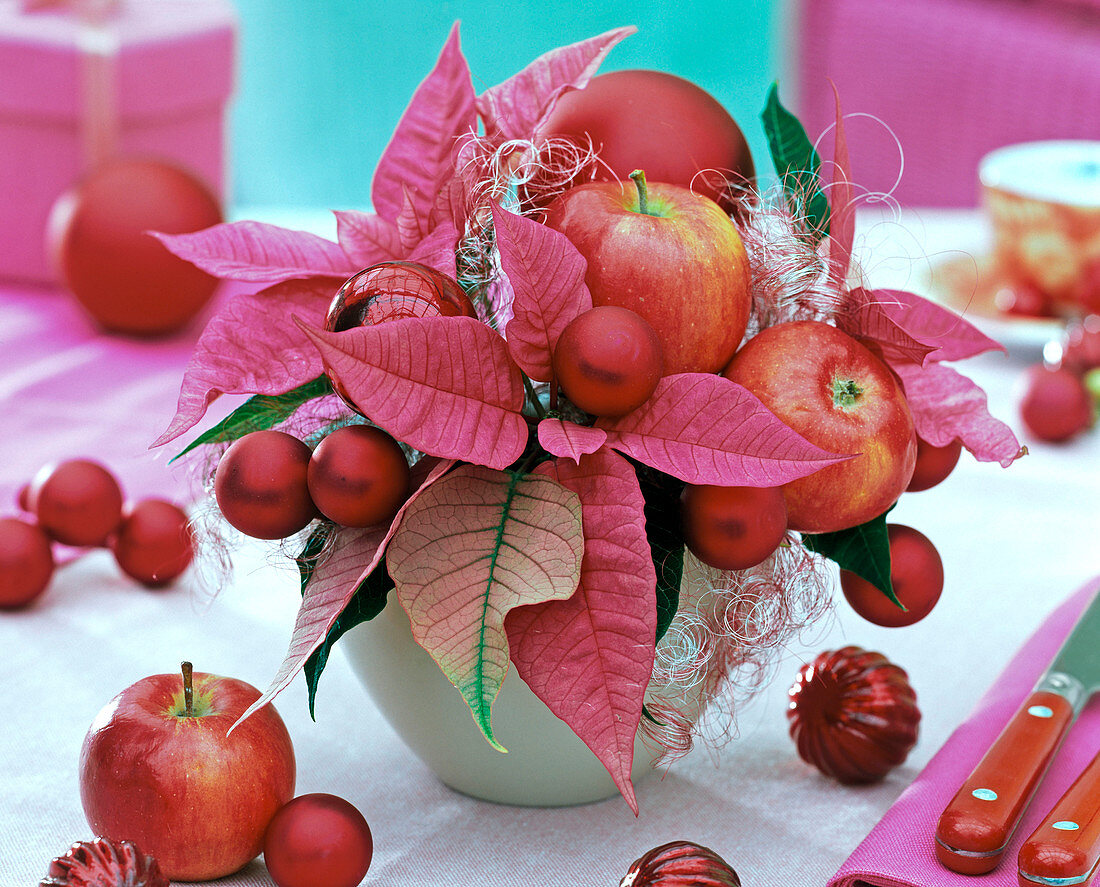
{"points": [[160, 768]]}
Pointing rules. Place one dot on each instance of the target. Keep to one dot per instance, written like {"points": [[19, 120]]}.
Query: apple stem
{"points": [[638, 177], [188, 691]]}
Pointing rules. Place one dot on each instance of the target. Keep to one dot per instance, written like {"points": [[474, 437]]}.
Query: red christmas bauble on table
{"points": [[77, 501], [318, 840], [124, 277], [104, 863], [853, 714], [154, 544], [26, 562]]}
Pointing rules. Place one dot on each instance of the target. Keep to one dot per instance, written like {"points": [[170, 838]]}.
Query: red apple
{"points": [[669, 255], [158, 769], [664, 124], [834, 392]]}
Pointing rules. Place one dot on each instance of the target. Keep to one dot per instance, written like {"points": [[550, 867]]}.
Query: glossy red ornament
{"points": [[1056, 405], [674, 130], [104, 863], [358, 476], [608, 361], [934, 464], [916, 574], [853, 714], [126, 279], [260, 485], [154, 543], [680, 864], [77, 501], [1081, 345], [318, 840], [26, 562], [733, 528]]}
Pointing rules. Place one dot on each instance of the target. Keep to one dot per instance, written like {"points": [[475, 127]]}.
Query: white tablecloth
{"points": [[1014, 543]]}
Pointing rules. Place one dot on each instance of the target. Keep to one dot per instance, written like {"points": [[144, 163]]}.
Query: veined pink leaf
{"points": [[418, 157], [546, 273], [842, 210], [706, 429], [354, 555], [516, 108], [437, 250], [367, 238], [409, 225], [946, 405], [875, 313], [560, 437], [260, 253], [251, 347], [444, 385], [589, 657], [497, 540]]}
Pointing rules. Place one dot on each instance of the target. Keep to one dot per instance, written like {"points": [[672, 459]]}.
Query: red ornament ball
{"points": [[1081, 344], [666, 125], [154, 543], [916, 574], [26, 562], [318, 840], [733, 528], [934, 464], [127, 279], [680, 864], [77, 501], [608, 361], [358, 476], [1056, 405], [853, 715], [104, 863], [260, 485]]}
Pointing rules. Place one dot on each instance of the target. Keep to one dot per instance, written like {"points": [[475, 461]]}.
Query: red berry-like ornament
{"points": [[77, 502], [358, 476], [853, 715], [916, 574], [104, 863], [318, 840], [733, 528], [680, 864], [1056, 405], [127, 279], [608, 361], [154, 543], [260, 485], [934, 464], [1081, 345], [26, 562]]}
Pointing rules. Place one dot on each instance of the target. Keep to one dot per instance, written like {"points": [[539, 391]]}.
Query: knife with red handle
{"points": [[977, 825], [1064, 849]]}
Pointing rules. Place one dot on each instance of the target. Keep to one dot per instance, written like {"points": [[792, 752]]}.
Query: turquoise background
{"points": [[322, 84]]}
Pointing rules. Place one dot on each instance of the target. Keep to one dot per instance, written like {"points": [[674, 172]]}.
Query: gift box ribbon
{"points": [[899, 850]]}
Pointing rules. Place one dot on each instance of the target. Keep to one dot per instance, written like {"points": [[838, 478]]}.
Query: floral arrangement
{"points": [[533, 532]]}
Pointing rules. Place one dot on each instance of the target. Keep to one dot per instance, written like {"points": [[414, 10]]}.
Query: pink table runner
{"points": [[899, 850]]}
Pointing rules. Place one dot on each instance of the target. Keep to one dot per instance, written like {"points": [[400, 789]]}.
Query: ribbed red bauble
{"points": [[77, 501], [733, 528], [358, 476], [260, 485], [154, 543], [26, 562], [318, 840], [127, 279]]}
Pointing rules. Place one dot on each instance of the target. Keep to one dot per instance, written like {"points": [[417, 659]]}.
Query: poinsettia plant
{"points": [[532, 534]]}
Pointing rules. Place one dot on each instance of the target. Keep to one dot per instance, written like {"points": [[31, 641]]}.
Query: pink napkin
{"points": [[899, 850]]}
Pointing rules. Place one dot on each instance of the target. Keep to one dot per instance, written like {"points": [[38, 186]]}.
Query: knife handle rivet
{"points": [[1066, 825], [1041, 711], [984, 794]]}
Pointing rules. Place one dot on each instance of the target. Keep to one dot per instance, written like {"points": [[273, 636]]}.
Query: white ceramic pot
{"points": [[546, 764]]}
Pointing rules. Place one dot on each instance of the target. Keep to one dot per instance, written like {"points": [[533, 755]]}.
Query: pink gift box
{"points": [[171, 77]]}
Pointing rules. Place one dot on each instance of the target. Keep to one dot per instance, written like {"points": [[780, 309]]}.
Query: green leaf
{"points": [[798, 164], [863, 550], [666, 539], [260, 412], [368, 601]]}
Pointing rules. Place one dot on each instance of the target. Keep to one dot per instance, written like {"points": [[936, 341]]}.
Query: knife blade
{"points": [[976, 826]]}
